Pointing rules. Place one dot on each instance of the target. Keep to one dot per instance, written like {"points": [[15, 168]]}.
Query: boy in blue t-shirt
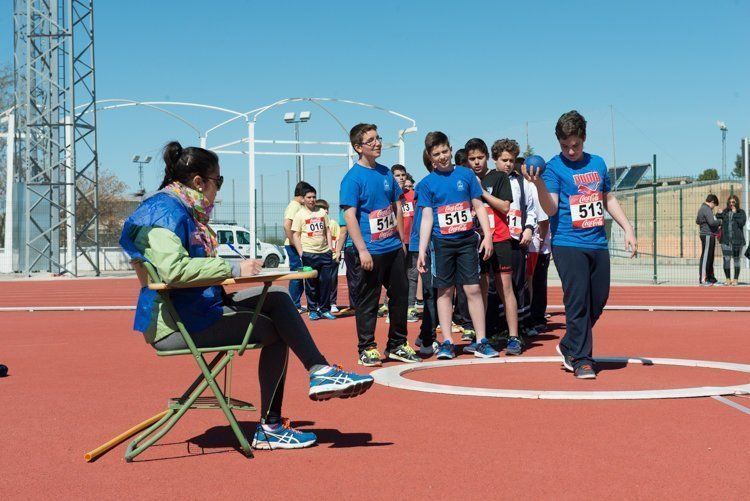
{"points": [[369, 196], [574, 191], [447, 196]]}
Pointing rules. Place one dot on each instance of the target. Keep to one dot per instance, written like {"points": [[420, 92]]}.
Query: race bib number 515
{"points": [[587, 211], [382, 224], [454, 218]]}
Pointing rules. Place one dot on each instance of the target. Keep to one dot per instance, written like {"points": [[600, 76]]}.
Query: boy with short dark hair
{"points": [[369, 196], [521, 223], [446, 197], [574, 191], [295, 261], [312, 240], [335, 230]]}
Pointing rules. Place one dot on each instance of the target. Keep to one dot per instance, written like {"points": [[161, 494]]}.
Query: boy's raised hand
{"points": [[532, 174]]}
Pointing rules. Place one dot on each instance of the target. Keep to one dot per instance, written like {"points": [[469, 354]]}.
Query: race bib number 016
{"points": [[587, 211], [382, 224], [514, 222], [315, 226], [454, 218]]}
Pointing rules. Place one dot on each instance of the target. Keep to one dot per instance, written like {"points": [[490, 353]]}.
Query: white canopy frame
{"points": [[248, 143]]}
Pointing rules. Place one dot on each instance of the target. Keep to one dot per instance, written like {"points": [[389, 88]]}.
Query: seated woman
{"points": [[170, 230]]}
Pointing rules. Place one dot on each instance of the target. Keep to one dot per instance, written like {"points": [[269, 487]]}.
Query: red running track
{"points": [[79, 378]]}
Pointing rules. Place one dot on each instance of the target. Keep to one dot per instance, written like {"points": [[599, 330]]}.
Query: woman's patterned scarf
{"points": [[201, 214]]}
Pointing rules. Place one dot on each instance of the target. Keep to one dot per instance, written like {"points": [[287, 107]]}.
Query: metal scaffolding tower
{"points": [[56, 134]]}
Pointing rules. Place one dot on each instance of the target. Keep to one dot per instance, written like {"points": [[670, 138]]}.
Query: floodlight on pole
{"points": [[723, 128], [141, 161], [291, 118]]}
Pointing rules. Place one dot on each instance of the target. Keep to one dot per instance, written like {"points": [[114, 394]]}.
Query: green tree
{"points": [[708, 175], [528, 152]]}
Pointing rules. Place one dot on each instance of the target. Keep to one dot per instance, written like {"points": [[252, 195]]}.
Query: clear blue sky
{"points": [[669, 69]]}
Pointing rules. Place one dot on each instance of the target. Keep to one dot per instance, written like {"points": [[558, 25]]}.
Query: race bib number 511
{"points": [[587, 211], [454, 218], [382, 224]]}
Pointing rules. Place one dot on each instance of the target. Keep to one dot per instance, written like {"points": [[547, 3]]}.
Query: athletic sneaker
{"points": [[470, 348], [282, 436], [567, 360], [469, 335], [383, 310], [446, 351], [455, 329], [370, 358], [485, 350], [419, 305], [403, 353], [315, 315], [334, 382], [428, 351], [585, 371], [302, 309], [514, 346], [411, 315], [498, 340], [328, 315], [334, 308]]}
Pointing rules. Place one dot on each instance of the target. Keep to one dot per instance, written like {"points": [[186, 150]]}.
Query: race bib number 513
{"points": [[382, 224], [454, 218], [587, 211]]}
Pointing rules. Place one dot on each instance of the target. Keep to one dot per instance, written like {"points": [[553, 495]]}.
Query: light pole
{"points": [[723, 129], [291, 118], [141, 162]]}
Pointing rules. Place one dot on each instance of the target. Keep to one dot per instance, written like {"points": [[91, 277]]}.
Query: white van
{"points": [[239, 237]]}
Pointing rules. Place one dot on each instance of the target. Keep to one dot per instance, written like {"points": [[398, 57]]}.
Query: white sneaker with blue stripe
{"points": [[282, 436], [337, 383]]}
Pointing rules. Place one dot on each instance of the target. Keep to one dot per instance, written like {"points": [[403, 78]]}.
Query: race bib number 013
{"points": [[454, 218], [315, 226], [514, 222], [587, 211], [408, 209], [382, 224]]}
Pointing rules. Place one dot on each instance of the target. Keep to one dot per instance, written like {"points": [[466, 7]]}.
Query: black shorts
{"points": [[455, 261], [502, 257]]}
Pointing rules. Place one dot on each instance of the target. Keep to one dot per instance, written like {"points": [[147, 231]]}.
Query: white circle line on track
{"points": [[393, 377]]}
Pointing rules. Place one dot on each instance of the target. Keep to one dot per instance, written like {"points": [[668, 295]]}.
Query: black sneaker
{"points": [[585, 371], [567, 360], [403, 353], [370, 358]]}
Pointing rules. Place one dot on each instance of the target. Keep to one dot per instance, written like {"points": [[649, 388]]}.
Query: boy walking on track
{"points": [[369, 196], [446, 197], [574, 191]]}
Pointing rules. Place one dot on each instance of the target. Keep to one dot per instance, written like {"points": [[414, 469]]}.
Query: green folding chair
{"points": [[210, 371]]}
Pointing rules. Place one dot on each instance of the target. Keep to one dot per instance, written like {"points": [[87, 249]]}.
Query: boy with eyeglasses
{"points": [[369, 196]]}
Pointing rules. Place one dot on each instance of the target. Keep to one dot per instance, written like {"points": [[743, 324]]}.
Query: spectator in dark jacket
{"points": [[732, 236], [708, 227]]}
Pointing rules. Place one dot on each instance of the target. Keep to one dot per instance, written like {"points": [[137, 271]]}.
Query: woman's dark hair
{"points": [[182, 164], [736, 202], [713, 199]]}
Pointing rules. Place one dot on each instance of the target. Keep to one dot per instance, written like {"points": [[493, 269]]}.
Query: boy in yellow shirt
{"points": [[312, 240], [335, 230], [295, 261]]}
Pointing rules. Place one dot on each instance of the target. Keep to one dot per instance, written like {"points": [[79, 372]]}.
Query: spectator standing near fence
{"points": [[708, 227], [732, 239], [295, 261]]}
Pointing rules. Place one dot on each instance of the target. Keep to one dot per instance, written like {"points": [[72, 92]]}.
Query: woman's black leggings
{"points": [[731, 253], [279, 328]]}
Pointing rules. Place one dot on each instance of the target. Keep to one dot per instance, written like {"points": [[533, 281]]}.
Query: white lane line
{"points": [[728, 402]]}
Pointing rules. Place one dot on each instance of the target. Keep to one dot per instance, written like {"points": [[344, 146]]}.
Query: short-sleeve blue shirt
{"points": [[581, 187], [372, 192], [450, 195]]}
